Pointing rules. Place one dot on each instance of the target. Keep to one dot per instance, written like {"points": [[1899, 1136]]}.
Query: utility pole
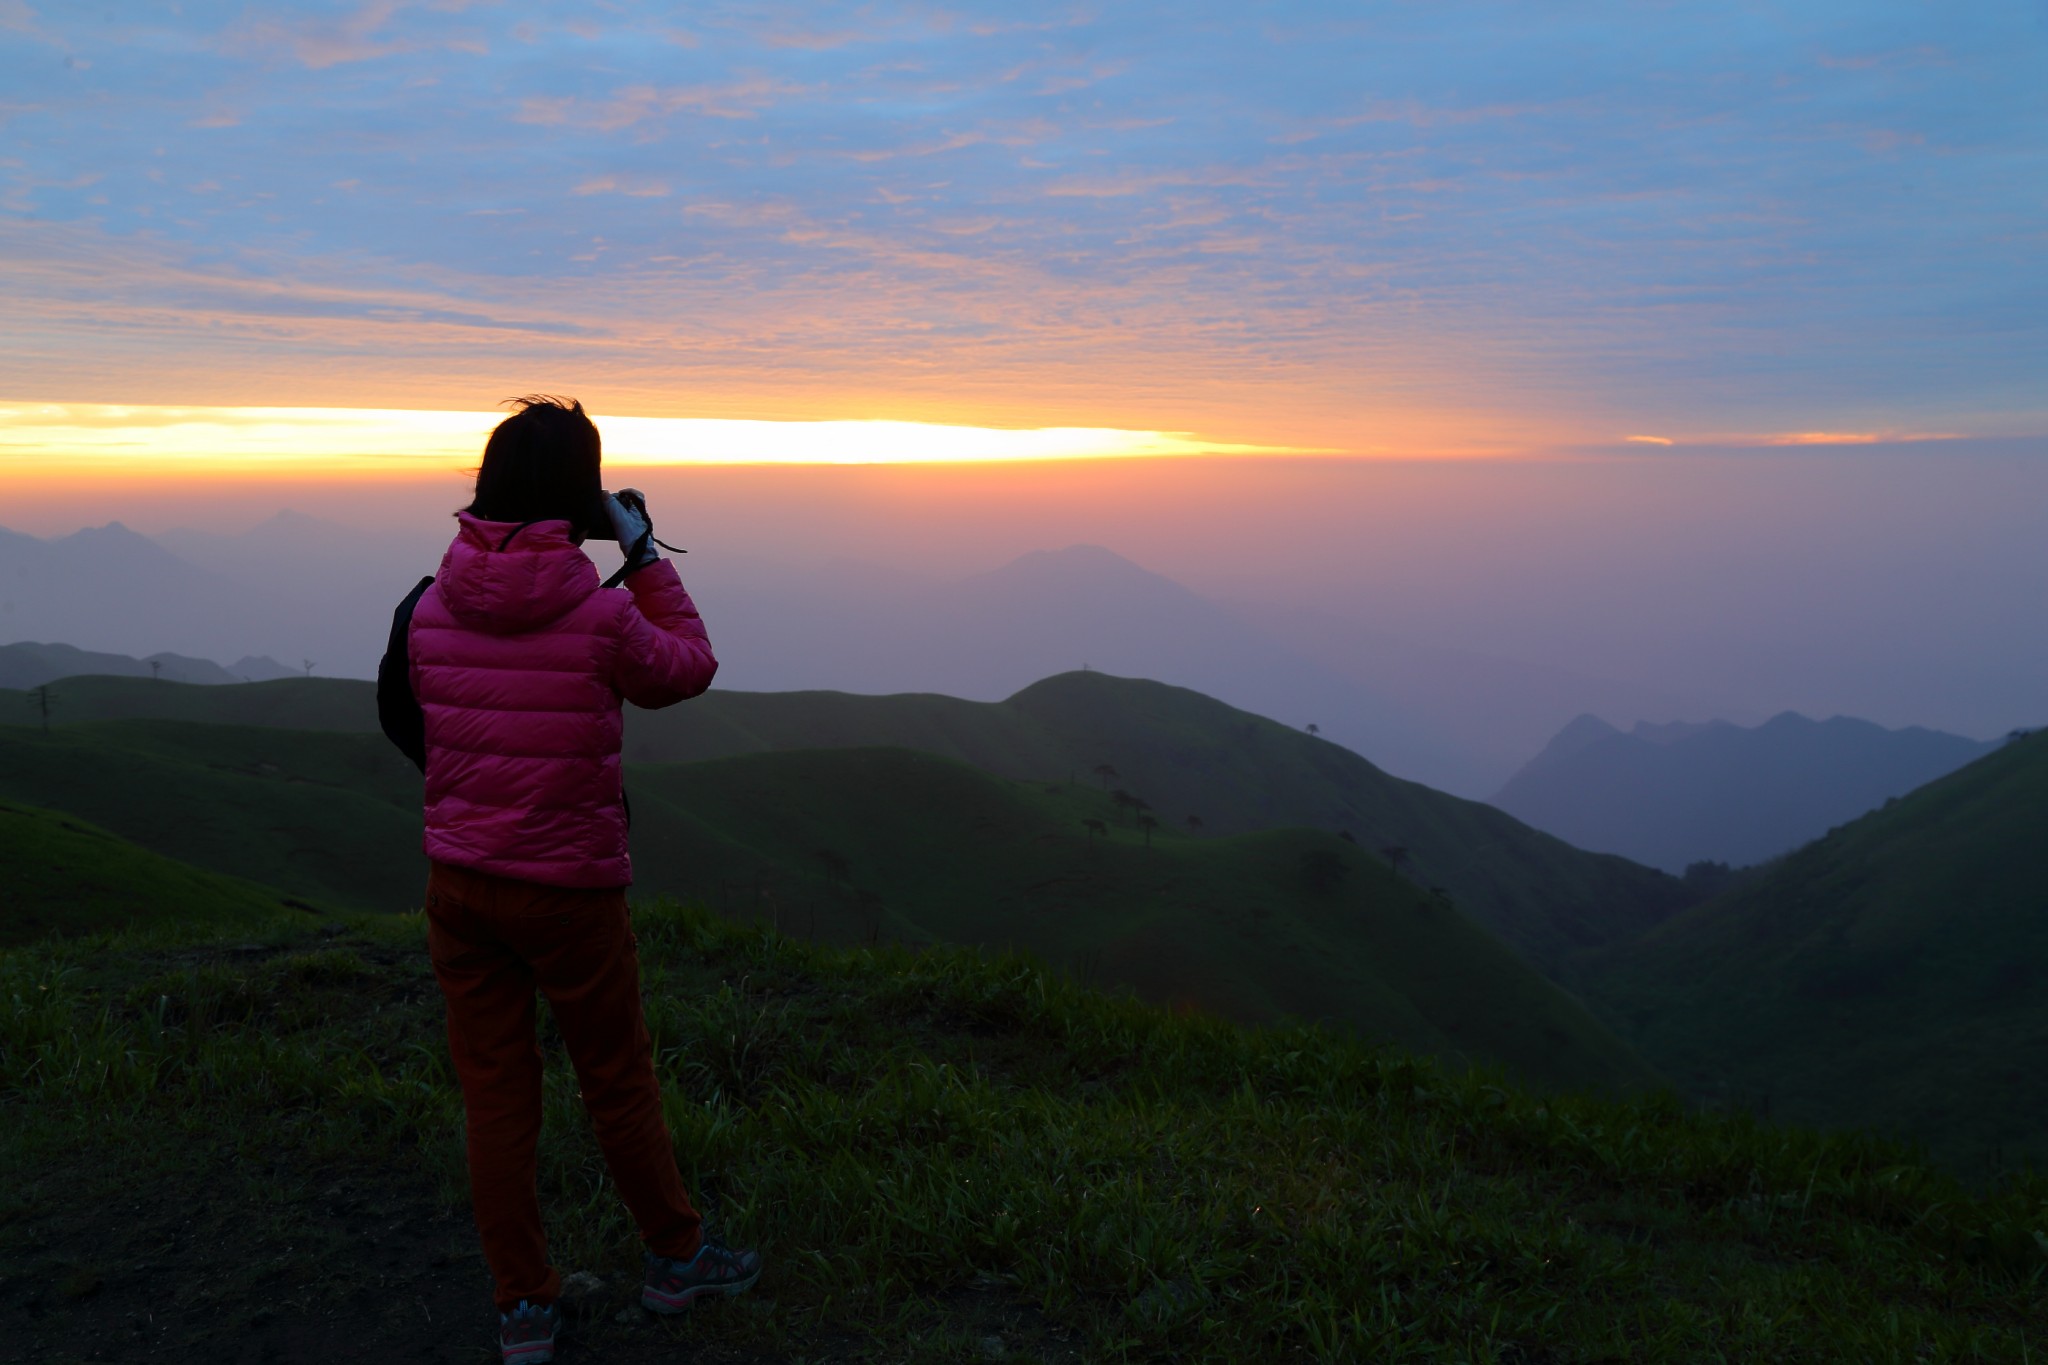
{"points": [[309, 667], [43, 704], [156, 669]]}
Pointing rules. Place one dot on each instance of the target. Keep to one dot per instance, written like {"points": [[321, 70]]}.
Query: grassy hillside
{"points": [[944, 1156], [63, 876], [872, 844], [849, 844], [1189, 754], [1890, 974], [1185, 754], [329, 817]]}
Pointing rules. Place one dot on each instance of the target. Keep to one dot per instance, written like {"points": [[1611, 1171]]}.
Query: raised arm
{"points": [[664, 655]]}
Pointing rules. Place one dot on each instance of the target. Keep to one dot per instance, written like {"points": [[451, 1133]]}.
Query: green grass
{"points": [[64, 876], [1891, 974], [1186, 754], [912, 1136]]}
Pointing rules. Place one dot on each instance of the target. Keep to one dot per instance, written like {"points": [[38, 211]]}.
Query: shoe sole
{"points": [[538, 1353], [655, 1301]]}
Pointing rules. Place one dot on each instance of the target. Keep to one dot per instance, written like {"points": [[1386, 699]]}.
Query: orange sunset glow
{"points": [[52, 441]]}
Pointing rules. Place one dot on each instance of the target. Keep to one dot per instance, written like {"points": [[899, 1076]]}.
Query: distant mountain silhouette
{"points": [[1889, 975], [872, 629], [1674, 794], [292, 588], [28, 664], [1499, 709], [109, 588], [295, 586], [1116, 617]]}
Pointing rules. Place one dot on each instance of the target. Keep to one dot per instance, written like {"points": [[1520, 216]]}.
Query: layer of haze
{"points": [[1488, 600]]}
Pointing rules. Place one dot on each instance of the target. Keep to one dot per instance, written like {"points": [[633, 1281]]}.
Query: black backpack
{"points": [[398, 710]]}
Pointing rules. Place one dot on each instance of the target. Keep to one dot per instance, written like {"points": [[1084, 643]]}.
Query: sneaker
{"points": [[526, 1335], [674, 1285]]}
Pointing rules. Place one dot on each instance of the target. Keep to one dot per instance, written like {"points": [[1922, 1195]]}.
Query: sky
{"points": [[1384, 228], [1699, 344]]}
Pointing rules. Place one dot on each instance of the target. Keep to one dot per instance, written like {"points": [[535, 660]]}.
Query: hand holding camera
{"points": [[626, 521], [631, 526]]}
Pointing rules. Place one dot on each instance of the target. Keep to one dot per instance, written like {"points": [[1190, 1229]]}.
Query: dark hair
{"points": [[541, 464]]}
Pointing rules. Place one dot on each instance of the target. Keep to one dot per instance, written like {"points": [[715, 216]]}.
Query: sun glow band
{"points": [[172, 440]]}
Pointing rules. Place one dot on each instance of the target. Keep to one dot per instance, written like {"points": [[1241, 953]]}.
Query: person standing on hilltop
{"points": [[503, 682]]}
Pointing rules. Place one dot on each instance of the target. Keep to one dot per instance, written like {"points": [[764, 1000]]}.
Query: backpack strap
{"points": [[398, 709]]}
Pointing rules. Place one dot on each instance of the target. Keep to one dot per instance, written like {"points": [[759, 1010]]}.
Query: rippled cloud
{"points": [[1445, 225]]}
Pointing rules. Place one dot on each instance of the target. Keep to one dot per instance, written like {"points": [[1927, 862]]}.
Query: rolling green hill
{"points": [[1190, 755], [59, 875], [1185, 754], [851, 843], [860, 844], [327, 817], [1893, 974]]}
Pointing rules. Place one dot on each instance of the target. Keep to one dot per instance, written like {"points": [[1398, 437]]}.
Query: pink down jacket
{"points": [[520, 660]]}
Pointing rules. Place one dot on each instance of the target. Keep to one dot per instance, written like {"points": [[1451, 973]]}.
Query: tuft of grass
{"points": [[910, 1133]]}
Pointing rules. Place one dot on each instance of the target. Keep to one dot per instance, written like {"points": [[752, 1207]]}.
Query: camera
{"points": [[597, 522]]}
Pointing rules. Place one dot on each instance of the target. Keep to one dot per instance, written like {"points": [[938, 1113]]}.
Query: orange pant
{"points": [[494, 941]]}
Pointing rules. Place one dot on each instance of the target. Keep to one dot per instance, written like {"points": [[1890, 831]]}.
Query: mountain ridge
{"points": [[29, 663], [1677, 793]]}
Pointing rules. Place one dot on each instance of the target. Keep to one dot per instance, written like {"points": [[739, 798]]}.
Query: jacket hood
{"points": [[537, 576]]}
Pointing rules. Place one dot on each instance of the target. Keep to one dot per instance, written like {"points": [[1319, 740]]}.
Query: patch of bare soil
{"points": [[226, 1264], [229, 1264]]}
